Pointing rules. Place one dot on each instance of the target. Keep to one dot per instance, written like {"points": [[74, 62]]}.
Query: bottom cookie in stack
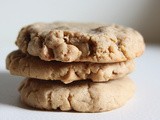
{"points": [[82, 96]]}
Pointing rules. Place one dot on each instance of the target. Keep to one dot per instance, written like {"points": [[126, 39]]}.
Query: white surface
{"points": [[144, 106]]}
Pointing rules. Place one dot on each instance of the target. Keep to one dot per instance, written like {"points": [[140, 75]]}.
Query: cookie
{"points": [[82, 96], [80, 42], [28, 66]]}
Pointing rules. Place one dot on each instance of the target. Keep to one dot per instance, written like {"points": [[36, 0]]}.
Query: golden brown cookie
{"points": [[25, 65], [80, 42], [82, 96]]}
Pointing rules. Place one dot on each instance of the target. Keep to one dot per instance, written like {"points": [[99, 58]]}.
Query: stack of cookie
{"points": [[75, 66]]}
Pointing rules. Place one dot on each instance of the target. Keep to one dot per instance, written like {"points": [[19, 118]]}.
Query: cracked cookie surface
{"points": [[80, 42], [25, 65], [82, 96]]}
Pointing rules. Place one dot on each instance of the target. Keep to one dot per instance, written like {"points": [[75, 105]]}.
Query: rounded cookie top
{"points": [[82, 96], [25, 65], [80, 42]]}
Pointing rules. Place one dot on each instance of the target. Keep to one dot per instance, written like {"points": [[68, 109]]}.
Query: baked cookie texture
{"points": [[26, 65], [80, 42], [82, 96]]}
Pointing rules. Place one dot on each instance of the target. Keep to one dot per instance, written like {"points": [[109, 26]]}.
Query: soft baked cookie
{"points": [[80, 42], [25, 65], [82, 96]]}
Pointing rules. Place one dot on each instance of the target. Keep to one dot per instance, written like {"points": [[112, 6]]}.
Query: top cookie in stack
{"points": [[94, 53], [80, 42]]}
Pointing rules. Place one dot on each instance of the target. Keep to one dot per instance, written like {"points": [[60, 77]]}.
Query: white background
{"points": [[143, 15]]}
